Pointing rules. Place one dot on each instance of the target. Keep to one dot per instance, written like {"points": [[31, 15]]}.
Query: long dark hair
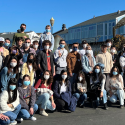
{"points": [[15, 69], [49, 81], [66, 80], [100, 75], [80, 73], [14, 82], [111, 73], [33, 64]]}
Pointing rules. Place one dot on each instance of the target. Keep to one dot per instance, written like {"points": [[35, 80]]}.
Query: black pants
{"points": [[60, 104], [87, 77]]}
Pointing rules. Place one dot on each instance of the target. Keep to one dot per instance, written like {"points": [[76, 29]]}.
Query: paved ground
{"points": [[87, 116]]}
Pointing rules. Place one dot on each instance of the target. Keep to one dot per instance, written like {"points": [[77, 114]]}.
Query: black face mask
{"points": [[1, 44], [22, 29], [30, 60]]}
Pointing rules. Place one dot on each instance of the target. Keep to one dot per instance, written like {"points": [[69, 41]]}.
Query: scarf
{"points": [[91, 63]]}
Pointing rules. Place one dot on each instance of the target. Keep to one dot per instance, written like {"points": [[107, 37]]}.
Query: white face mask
{"points": [[80, 78], [35, 46], [113, 51], [64, 76], [84, 45], [123, 54], [46, 47], [46, 77], [30, 66], [27, 44], [13, 64], [88, 51], [108, 44]]}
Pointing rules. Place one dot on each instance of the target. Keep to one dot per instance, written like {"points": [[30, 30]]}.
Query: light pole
{"points": [[52, 23]]}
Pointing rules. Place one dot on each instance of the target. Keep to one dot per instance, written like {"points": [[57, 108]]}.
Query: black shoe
{"points": [[121, 106], [105, 106], [94, 104]]}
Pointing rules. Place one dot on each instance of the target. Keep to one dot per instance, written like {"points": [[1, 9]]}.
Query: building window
{"points": [[100, 29], [84, 32], [111, 25], [105, 28], [92, 31]]}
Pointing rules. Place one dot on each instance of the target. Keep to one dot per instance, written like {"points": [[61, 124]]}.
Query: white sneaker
{"points": [[19, 120], [43, 113], [33, 118], [13, 123]]}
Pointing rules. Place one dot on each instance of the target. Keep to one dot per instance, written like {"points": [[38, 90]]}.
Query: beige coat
{"points": [[106, 59], [5, 52]]}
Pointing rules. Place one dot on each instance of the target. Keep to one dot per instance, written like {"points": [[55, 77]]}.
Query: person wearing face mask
{"points": [[114, 56], [7, 43], [35, 46], [88, 63], [83, 51], [14, 51], [47, 36], [96, 90], [62, 94], [45, 93], [26, 50], [20, 34], [60, 57], [80, 89], [10, 71], [27, 97], [115, 86], [29, 68], [9, 102], [45, 58], [73, 62], [3, 51], [105, 58]]}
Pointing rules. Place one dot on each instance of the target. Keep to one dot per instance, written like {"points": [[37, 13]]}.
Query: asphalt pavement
{"points": [[82, 116]]}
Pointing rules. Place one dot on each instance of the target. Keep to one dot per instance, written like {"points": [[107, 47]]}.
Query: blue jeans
{"points": [[120, 95], [72, 79], [44, 101], [82, 98], [25, 114], [12, 115]]}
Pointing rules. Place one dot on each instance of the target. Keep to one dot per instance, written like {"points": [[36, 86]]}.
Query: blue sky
{"points": [[36, 14]]}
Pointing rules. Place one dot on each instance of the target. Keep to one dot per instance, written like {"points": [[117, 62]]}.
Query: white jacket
{"points": [[3, 102], [122, 62]]}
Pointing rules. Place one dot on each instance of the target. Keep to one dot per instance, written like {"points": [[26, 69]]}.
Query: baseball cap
{"points": [[2, 39], [84, 42]]}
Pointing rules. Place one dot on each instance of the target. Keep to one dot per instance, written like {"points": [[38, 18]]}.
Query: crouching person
{"points": [[9, 103], [80, 89], [97, 91], [62, 94], [115, 86], [45, 94], [27, 97]]}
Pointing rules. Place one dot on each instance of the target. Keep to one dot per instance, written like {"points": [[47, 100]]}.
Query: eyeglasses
{"points": [[27, 42], [62, 43]]}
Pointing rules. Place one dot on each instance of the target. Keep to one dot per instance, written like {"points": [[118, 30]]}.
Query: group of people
{"points": [[33, 77]]}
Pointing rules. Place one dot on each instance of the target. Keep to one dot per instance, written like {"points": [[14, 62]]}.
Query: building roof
{"points": [[100, 19], [61, 31]]}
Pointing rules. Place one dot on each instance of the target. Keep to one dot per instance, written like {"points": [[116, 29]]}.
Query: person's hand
{"points": [[31, 111], [81, 89], [54, 74], [53, 105], [24, 37], [71, 74], [59, 53], [90, 72], [10, 105], [50, 50], [113, 88], [3, 117], [101, 94]]}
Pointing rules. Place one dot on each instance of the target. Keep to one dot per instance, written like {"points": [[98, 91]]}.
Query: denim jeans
{"points": [[82, 98], [44, 101], [72, 79], [25, 114], [120, 95], [12, 115]]}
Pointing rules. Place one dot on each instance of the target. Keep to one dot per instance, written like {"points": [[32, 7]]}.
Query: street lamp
{"points": [[52, 23]]}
